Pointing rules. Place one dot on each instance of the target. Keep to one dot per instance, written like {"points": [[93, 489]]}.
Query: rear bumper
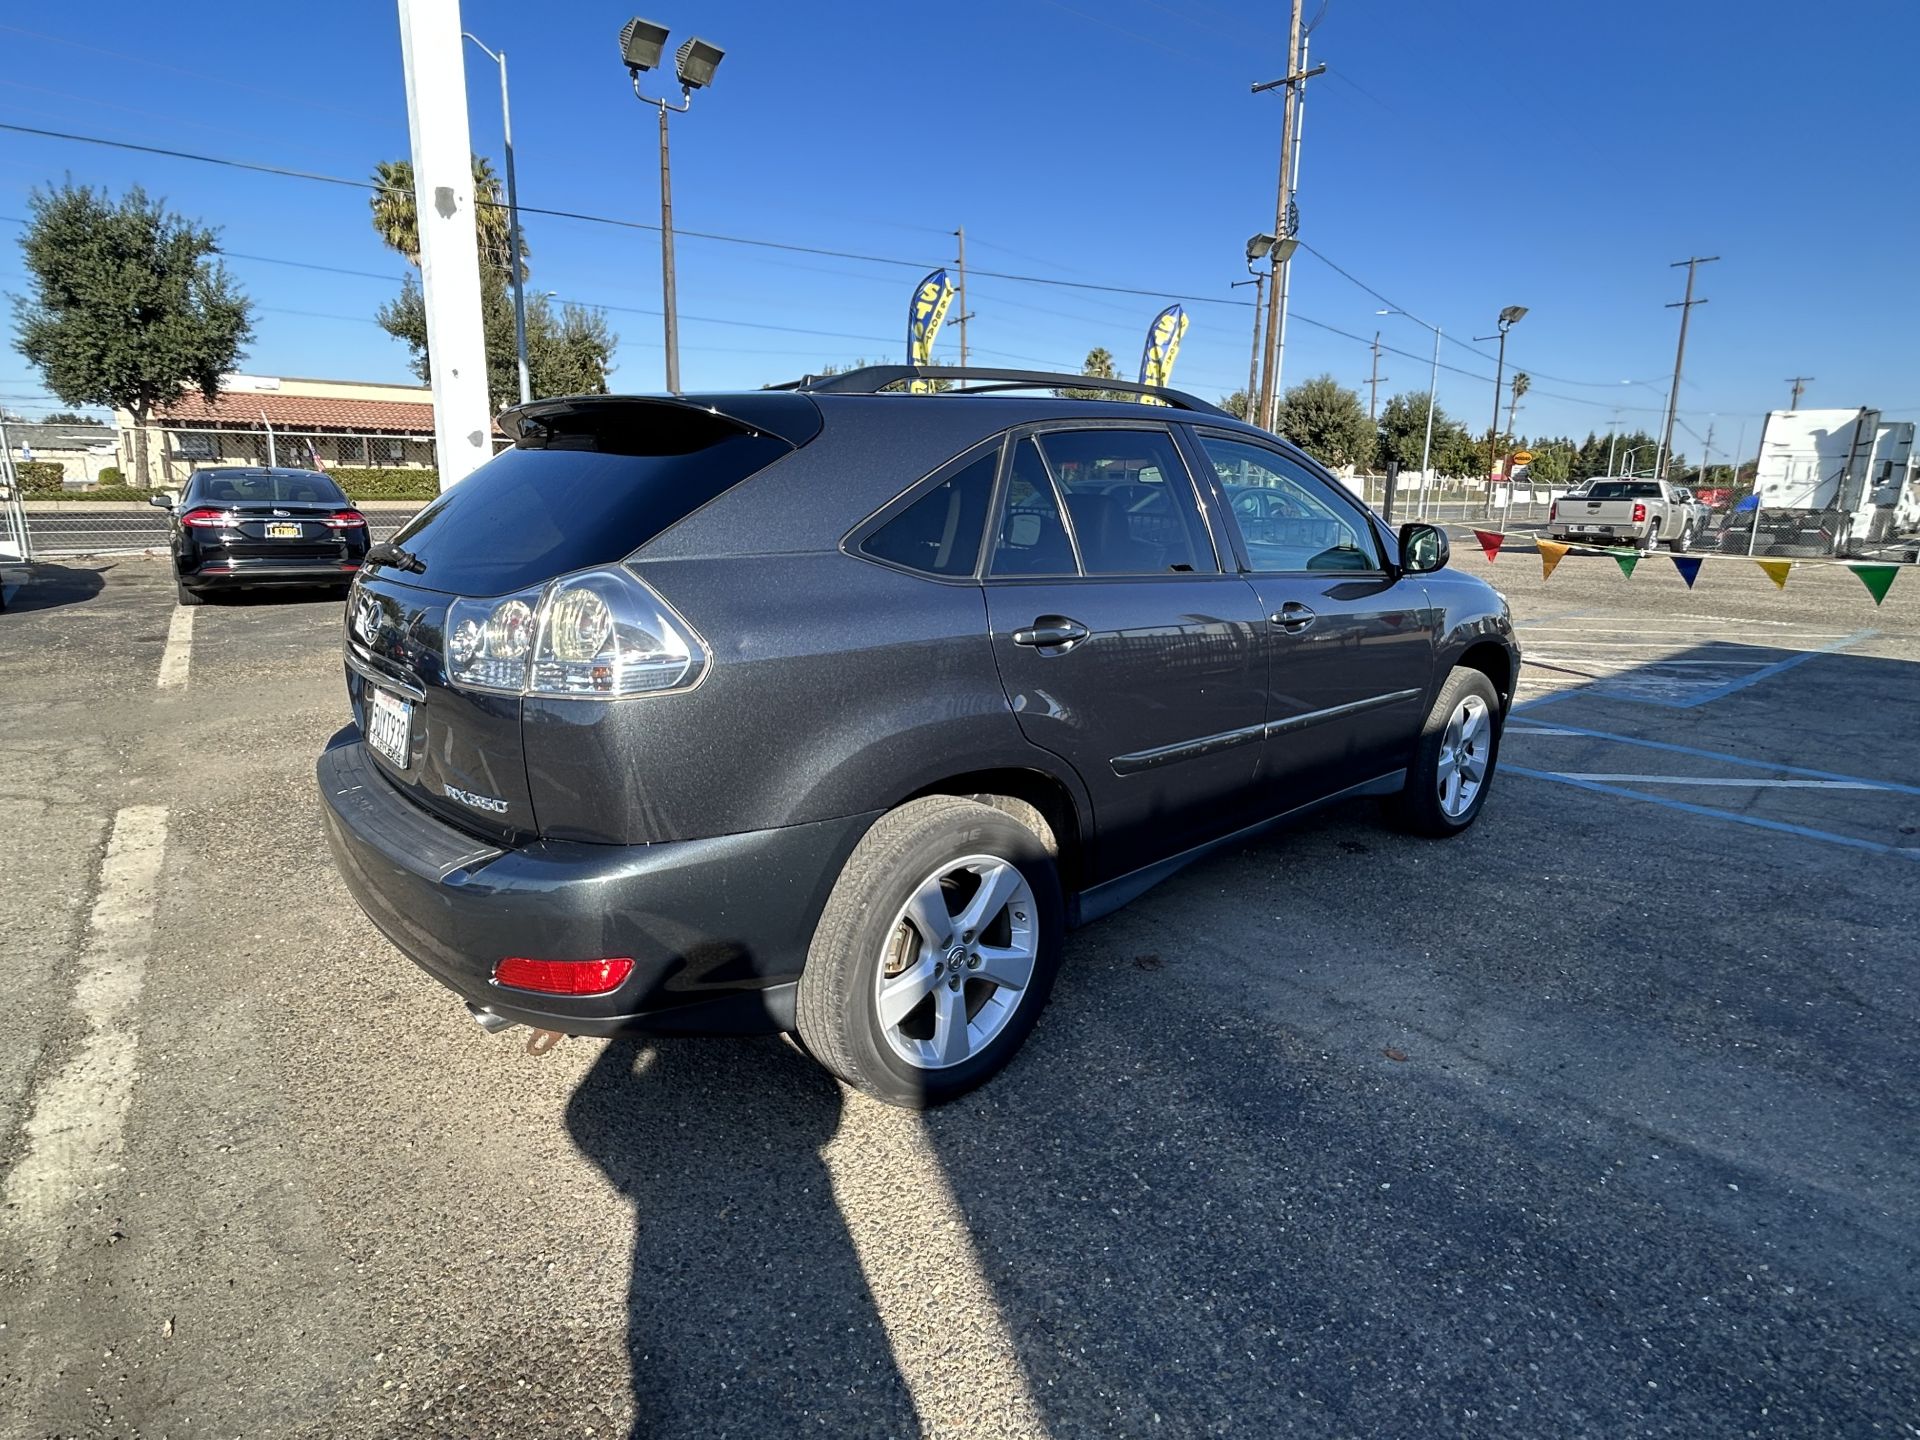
{"points": [[717, 929], [217, 572], [1597, 532]]}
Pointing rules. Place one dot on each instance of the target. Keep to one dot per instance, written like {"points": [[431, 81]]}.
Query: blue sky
{"points": [[1459, 157]]}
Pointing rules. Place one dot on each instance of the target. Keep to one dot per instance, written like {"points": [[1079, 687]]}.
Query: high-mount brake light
{"points": [[207, 517], [564, 977], [599, 634]]}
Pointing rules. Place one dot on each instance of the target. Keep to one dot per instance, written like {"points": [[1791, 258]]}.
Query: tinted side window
{"points": [[1031, 540], [1130, 502], [940, 532], [1286, 515]]}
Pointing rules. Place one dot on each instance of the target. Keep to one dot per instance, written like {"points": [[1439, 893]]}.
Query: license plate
{"points": [[1589, 529], [389, 725], [283, 532]]}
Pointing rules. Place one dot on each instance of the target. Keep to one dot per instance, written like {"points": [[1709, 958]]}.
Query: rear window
{"points": [[1624, 490], [561, 501], [267, 487]]}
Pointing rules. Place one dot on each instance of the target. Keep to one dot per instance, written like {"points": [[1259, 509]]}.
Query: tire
{"points": [[879, 920], [186, 595], [1683, 542], [1650, 541], [1422, 807]]}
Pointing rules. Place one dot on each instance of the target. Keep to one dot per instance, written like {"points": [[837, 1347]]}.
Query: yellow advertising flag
{"points": [[931, 297], [1776, 570], [1552, 552]]}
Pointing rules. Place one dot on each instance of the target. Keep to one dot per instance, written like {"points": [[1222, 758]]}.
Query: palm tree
{"points": [[398, 221], [1522, 382]]}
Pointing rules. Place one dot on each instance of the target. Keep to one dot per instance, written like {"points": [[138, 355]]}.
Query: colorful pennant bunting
{"points": [[1776, 570], [1490, 541], [1552, 552], [1877, 578], [1689, 567], [1626, 560]]}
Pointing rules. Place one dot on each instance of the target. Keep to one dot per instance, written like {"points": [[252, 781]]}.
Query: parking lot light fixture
{"points": [[1257, 248], [642, 44], [695, 63]]}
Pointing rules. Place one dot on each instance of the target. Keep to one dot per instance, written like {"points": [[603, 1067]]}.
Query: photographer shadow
{"points": [[747, 1310]]}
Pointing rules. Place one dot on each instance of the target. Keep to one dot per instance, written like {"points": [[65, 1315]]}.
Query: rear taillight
{"points": [[1553, 512], [205, 517], [345, 520], [1639, 514], [564, 977], [601, 634]]}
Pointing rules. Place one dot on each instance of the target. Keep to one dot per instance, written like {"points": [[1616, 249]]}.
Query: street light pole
{"points": [[1509, 317], [641, 46], [1259, 283], [514, 256]]}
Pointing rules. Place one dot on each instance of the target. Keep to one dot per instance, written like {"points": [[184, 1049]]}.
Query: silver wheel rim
{"points": [[956, 962], [1465, 748]]}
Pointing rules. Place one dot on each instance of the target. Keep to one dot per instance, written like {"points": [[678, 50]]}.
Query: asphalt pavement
{"points": [[1598, 1120]]}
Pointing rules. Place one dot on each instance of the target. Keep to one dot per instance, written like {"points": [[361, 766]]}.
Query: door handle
{"points": [[1293, 617], [1051, 632]]}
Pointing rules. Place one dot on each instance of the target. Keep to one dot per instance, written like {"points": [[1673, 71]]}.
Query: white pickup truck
{"points": [[1640, 513]]}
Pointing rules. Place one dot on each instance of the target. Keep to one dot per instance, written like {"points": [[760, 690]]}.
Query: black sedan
{"points": [[239, 527]]}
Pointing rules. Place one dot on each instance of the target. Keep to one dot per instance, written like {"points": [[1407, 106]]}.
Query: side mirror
{"points": [[160, 502], [1423, 548]]}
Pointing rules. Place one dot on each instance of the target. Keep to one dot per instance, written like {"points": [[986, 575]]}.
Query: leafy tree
{"points": [[1551, 463], [569, 351], [129, 308], [1458, 454], [1403, 429], [66, 417], [1327, 420], [1237, 405]]}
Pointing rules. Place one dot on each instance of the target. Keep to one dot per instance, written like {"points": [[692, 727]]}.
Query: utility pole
{"points": [[1706, 452], [1373, 381], [1799, 383], [449, 250], [1685, 307], [1513, 400], [1295, 82], [965, 315]]}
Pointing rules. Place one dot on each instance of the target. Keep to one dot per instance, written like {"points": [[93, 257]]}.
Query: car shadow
{"points": [[27, 588], [269, 596], [748, 1312]]}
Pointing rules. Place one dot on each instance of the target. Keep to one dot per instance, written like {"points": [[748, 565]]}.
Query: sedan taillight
{"points": [[205, 517], [345, 520], [1639, 514]]}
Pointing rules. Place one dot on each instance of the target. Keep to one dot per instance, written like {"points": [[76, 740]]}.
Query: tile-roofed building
{"points": [[287, 420]]}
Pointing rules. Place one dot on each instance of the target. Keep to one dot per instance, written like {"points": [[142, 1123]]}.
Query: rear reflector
{"points": [[564, 977]]}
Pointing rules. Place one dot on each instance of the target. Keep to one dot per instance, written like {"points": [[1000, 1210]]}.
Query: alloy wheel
{"points": [[957, 961], [1465, 748]]}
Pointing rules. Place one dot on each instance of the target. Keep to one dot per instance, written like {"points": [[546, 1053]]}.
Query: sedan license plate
{"points": [[389, 726], [283, 531]]}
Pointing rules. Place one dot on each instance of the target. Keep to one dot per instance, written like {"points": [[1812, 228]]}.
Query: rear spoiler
{"points": [[793, 418]]}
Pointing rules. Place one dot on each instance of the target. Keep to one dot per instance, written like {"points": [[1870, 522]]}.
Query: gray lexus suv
{"points": [[829, 709]]}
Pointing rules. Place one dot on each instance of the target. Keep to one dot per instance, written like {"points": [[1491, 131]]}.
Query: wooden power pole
{"points": [[1295, 81], [1799, 383], [1685, 307], [1373, 382], [965, 315]]}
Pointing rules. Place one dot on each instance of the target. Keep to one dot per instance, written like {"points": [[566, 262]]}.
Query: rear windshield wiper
{"points": [[388, 553]]}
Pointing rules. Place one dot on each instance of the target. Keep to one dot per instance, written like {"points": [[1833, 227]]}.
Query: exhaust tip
{"points": [[488, 1021]]}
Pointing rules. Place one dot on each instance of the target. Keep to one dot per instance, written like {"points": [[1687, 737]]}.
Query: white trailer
{"points": [[1833, 479]]}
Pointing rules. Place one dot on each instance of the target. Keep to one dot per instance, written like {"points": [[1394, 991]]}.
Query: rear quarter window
{"points": [[939, 533]]}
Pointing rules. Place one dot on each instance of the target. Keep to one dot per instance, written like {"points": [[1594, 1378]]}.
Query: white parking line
{"points": [[1733, 782], [174, 659], [75, 1128]]}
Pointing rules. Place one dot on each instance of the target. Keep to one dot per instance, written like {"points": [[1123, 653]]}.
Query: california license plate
{"points": [[389, 725], [283, 531]]}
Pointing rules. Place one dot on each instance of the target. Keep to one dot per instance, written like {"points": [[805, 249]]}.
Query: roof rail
{"points": [[870, 379]]}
